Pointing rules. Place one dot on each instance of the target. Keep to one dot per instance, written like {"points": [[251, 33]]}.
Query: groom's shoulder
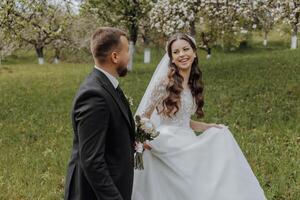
{"points": [[91, 87]]}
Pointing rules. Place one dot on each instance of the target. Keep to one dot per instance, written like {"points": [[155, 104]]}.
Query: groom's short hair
{"points": [[104, 41]]}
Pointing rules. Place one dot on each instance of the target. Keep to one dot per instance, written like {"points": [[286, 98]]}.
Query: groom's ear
{"points": [[114, 57]]}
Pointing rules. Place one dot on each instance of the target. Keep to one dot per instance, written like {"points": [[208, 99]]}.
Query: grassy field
{"points": [[256, 92]]}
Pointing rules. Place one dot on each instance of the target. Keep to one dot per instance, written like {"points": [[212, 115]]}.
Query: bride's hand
{"points": [[147, 146]]}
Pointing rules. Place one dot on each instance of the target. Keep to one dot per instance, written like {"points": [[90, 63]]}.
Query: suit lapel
{"points": [[107, 85]]}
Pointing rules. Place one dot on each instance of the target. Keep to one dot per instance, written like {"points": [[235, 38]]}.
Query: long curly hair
{"points": [[171, 103]]}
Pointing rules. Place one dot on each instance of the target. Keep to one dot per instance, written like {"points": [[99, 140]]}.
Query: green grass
{"points": [[256, 92]]}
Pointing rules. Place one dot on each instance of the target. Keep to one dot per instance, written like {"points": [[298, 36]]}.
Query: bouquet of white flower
{"points": [[145, 131]]}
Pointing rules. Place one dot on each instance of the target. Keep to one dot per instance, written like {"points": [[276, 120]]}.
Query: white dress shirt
{"points": [[112, 79]]}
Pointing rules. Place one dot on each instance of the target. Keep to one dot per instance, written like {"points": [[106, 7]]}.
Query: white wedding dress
{"points": [[184, 166]]}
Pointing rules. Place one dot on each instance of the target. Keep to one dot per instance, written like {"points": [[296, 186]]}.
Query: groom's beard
{"points": [[122, 70]]}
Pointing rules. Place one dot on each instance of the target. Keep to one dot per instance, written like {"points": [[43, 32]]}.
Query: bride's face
{"points": [[183, 54]]}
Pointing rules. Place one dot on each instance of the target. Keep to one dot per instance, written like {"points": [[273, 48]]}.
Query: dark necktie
{"points": [[122, 96]]}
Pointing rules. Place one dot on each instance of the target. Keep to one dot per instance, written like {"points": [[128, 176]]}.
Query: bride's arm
{"points": [[155, 98], [202, 126], [147, 114]]}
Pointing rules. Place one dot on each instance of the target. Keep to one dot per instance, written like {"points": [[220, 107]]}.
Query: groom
{"points": [[101, 165]]}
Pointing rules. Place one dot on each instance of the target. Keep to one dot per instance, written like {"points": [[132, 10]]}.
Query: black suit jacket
{"points": [[101, 165]]}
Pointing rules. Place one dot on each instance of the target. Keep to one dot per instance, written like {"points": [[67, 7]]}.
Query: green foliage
{"points": [[255, 92]]}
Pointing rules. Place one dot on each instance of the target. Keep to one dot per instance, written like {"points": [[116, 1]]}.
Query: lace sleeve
{"points": [[157, 96]]}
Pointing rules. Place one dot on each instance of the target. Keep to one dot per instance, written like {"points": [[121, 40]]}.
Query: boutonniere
{"points": [[129, 99]]}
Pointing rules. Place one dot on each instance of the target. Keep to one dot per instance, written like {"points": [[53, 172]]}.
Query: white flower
{"points": [[147, 126], [243, 31], [181, 24], [129, 99], [157, 25]]}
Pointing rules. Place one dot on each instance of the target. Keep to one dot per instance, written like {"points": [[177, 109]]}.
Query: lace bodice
{"points": [[187, 106]]}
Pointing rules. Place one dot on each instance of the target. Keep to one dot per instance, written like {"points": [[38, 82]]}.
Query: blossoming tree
{"points": [[35, 22], [289, 11], [264, 16]]}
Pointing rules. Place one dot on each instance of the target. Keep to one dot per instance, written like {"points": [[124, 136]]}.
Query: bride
{"points": [[179, 165]]}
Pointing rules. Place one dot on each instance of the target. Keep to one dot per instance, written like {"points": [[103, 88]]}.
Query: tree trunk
{"points": [[57, 56], [147, 50], [294, 39], [1, 57], [193, 29], [208, 56], [265, 43], [205, 41], [131, 53], [56, 60], [133, 31], [147, 55], [40, 54]]}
